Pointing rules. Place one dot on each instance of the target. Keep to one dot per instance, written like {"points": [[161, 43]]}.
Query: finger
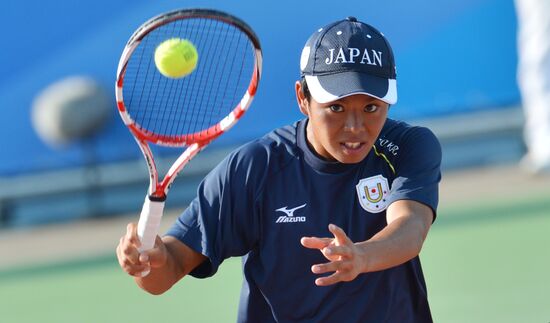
{"points": [[337, 277], [334, 250], [131, 235], [315, 243], [129, 257], [339, 234], [144, 257], [137, 271], [327, 281], [328, 267], [130, 267], [127, 253]]}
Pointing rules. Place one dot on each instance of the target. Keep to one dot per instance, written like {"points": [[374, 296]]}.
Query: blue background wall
{"points": [[455, 56]]}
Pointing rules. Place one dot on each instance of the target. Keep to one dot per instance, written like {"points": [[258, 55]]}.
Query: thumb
{"points": [[156, 256]]}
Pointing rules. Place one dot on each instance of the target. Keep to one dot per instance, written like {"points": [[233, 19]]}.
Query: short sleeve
{"points": [[418, 168], [222, 221]]}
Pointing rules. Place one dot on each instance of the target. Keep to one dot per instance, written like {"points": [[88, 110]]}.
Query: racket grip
{"points": [[149, 223]]}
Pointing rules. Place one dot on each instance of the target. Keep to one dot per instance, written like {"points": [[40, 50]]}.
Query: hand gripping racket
{"points": [[190, 111]]}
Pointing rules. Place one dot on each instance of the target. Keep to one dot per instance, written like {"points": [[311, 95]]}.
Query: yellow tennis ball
{"points": [[176, 57]]}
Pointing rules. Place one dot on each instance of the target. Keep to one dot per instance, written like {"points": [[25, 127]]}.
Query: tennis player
{"points": [[329, 213]]}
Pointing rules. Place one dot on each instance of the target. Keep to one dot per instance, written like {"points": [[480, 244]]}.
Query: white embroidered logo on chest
{"points": [[289, 217], [373, 193]]}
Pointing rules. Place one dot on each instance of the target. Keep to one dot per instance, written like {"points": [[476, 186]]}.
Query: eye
{"points": [[336, 108], [371, 108]]}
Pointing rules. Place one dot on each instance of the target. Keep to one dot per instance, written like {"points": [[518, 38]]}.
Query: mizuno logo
{"points": [[289, 217]]}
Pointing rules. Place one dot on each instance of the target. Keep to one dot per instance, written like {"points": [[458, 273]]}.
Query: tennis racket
{"points": [[190, 111]]}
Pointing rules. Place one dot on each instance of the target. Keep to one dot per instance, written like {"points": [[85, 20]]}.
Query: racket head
{"points": [[199, 107]]}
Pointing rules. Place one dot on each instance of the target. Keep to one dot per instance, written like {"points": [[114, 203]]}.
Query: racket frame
{"points": [[195, 142]]}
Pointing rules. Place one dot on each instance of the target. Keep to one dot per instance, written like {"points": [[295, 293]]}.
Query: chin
{"points": [[347, 156], [350, 159]]}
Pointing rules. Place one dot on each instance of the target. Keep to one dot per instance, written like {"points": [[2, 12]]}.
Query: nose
{"points": [[355, 121]]}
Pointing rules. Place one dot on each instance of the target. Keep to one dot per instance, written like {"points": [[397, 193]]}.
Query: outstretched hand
{"points": [[345, 258]]}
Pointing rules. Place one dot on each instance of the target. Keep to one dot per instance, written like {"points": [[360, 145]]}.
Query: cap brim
{"points": [[327, 88]]}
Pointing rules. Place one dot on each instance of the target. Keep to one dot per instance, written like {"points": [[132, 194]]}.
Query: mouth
{"points": [[353, 146]]}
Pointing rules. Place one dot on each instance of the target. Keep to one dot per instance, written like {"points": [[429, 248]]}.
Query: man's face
{"points": [[345, 129]]}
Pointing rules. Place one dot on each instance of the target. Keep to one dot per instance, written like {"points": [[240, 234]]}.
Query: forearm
{"points": [[397, 243], [401, 240]]}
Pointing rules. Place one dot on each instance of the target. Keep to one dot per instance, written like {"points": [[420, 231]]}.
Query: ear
{"points": [[303, 103]]}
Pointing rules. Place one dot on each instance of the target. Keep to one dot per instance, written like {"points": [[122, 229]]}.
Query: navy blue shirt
{"points": [[262, 198]]}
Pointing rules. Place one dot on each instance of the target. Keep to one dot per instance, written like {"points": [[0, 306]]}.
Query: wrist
{"points": [[363, 258]]}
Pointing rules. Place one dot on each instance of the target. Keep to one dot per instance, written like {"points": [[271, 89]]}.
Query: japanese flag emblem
{"points": [[373, 193]]}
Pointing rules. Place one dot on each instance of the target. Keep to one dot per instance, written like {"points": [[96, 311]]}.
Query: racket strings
{"points": [[243, 57], [188, 105], [139, 57], [228, 37], [193, 121], [181, 90], [151, 122], [184, 92]]}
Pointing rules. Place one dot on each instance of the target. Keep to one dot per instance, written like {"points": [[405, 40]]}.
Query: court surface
{"points": [[486, 259]]}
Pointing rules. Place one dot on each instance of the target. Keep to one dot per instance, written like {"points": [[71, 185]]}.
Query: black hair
{"points": [[305, 89]]}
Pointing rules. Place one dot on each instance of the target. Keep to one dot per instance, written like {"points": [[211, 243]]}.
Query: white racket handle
{"points": [[148, 225]]}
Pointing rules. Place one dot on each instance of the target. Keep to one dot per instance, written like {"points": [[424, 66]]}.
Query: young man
{"points": [[329, 213]]}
